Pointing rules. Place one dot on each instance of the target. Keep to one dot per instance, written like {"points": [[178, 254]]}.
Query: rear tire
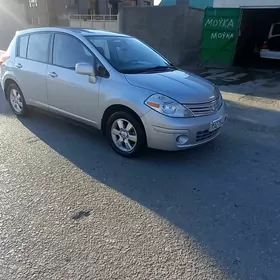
{"points": [[16, 100], [125, 134]]}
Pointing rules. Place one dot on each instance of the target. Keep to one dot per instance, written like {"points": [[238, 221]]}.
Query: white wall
{"points": [[238, 3], [103, 24]]}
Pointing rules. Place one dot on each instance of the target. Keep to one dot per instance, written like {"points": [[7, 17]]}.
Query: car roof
{"points": [[79, 30]]}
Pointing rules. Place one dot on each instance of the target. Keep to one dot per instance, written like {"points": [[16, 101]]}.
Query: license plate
{"points": [[218, 123]]}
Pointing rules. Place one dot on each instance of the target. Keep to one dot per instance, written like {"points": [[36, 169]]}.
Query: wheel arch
{"points": [[118, 108], [7, 83]]}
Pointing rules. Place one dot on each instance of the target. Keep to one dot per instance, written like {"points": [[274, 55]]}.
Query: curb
{"points": [[252, 101]]}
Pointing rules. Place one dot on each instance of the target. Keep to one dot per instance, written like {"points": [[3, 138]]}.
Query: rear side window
{"points": [[38, 47], [22, 46]]}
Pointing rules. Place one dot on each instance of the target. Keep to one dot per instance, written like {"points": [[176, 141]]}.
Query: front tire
{"points": [[125, 134], [16, 100]]}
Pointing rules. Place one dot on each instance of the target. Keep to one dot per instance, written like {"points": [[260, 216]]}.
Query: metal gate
{"points": [[219, 36]]}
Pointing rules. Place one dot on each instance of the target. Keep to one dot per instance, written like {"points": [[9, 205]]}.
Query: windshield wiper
{"points": [[159, 68], [148, 70]]}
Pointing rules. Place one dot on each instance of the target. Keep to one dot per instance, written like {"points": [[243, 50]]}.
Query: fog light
{"points": [[182, 139]]}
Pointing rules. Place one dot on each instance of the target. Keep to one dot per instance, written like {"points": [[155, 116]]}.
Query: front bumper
{"points": [[1, 83], [162, 132]]}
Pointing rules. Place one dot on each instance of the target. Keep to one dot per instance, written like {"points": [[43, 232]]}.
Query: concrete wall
{"points": [[12, 19], [238, 3], [192, 39], [174, 31]]}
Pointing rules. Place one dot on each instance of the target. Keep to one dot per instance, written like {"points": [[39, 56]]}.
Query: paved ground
{"points": [[72, 209], [242, 81]]}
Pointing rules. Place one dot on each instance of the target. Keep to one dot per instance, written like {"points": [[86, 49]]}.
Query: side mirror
{"points": [[86, 69]]}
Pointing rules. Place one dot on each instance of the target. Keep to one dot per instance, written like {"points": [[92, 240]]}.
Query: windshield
{"points": [[129, 55]]}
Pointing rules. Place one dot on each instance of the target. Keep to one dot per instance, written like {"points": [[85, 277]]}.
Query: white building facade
{"points": [[244, 3]]}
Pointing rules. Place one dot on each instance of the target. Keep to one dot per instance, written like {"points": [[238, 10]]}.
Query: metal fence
{"points": [[102, 22]]}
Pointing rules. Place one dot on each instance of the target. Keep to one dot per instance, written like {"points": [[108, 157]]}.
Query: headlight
{"points": [[220, 99], [167, 106]]}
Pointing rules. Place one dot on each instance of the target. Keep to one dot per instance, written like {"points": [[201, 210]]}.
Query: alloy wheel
{"points": [[16, 100], [124, 135]]}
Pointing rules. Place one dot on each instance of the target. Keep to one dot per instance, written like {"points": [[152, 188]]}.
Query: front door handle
{"points": [[18, 65], [53, 74]]}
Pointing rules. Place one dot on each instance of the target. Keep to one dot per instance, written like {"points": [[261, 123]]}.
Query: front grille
{"points": [[206, 134], [204, 109]]}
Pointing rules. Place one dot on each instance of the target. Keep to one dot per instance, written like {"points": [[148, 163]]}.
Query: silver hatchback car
{"points": [[113, 82]]}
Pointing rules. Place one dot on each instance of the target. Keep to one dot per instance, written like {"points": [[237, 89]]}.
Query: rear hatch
{"points": [[274, 30], [273, 42]]}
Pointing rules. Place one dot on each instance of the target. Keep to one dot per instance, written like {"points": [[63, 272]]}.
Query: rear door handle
{"points": [[18, 65], [53, 74]]}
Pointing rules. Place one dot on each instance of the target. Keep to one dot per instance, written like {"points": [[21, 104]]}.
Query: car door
{"points": [[68, 92], [30, 67]]}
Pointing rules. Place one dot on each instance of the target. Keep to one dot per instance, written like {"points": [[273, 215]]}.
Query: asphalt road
{"points": [[70, 208]]}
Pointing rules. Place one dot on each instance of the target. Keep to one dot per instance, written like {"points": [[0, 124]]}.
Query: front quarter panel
{"points": [[117, 91]]}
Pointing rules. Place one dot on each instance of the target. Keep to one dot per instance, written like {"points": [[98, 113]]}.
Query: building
{"points": [[244, 3], [55, 12], [222, 3], [235, 31], [12, 19], [193, 3]]}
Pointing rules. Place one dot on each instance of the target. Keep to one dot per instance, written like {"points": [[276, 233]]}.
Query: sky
{"points": [[157, 2]]}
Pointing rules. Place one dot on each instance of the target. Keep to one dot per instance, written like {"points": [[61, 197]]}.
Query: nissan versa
{"points": [[113, 82]]}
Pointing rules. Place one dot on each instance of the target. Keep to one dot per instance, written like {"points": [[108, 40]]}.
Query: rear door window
{"points": [[22, 46], [38, 47]]}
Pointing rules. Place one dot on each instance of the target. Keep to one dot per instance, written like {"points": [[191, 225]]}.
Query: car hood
{"points": [[179, 85]]}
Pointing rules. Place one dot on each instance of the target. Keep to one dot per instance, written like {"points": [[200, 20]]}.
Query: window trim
{"points": [[117, 36], [30, 34], [84, 45]]}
